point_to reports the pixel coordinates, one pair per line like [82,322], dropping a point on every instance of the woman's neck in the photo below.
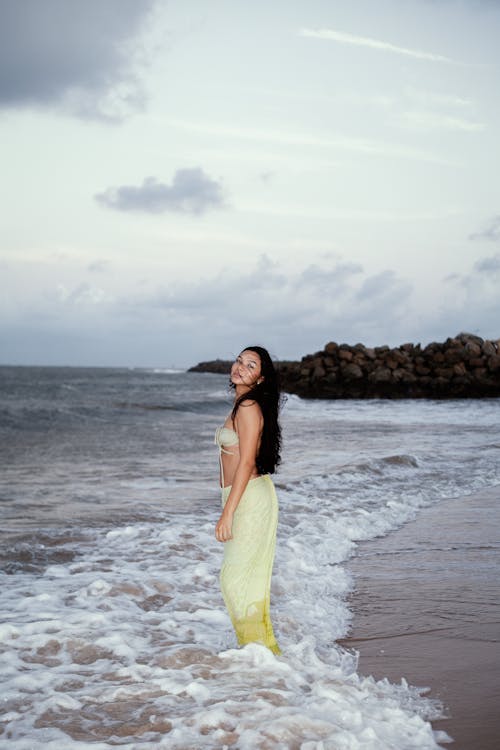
[240,390]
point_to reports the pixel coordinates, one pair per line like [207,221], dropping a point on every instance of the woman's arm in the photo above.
[248,423]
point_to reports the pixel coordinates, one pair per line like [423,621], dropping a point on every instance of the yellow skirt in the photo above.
[245,576]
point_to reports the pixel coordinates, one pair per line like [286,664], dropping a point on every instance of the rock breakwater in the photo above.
[465,366]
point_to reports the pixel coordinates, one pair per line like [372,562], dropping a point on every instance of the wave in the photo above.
[380,465]
[146,406]
[166,370]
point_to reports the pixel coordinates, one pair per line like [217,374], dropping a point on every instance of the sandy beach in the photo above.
[426,609]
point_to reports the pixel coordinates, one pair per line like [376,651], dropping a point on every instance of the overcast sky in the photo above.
[181,179]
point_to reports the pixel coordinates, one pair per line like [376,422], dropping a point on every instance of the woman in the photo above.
[249,444]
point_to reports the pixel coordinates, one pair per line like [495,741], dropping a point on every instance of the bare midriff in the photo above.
[230,459]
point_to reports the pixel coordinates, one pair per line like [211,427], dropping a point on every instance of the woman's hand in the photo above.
[224,528]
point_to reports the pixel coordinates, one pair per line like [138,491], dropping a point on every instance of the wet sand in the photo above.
[426,608]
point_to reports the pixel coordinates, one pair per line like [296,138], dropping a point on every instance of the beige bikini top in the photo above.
[225,436]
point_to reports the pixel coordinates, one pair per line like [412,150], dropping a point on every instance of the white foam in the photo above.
[150,626]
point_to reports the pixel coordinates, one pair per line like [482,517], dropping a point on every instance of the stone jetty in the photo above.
[465,366]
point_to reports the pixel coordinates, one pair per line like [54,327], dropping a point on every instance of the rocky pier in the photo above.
[465,366]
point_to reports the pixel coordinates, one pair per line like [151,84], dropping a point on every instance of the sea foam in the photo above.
[136,628]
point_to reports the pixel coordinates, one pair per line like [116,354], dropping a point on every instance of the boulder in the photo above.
[459,369]
[488,348]
[472,349]
[380,375]
[352,372]
[331,347]
[444,372]
[318,372]
[421,370]
[455,354]
[464,337]
[494,362]
[476,362]
[391,363]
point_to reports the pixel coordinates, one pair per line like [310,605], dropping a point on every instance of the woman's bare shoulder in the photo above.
[248,411]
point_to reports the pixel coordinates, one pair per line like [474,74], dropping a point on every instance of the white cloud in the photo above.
[438,121]
[361,41]
[332,141]
[437,98]
[81,295]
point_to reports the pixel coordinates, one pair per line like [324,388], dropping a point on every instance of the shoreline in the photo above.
[425,608]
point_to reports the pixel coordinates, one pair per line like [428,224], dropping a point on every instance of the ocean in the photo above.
[113,632]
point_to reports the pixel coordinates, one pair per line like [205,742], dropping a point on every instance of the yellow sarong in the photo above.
[245,576]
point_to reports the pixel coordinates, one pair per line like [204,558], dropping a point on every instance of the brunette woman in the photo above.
[249,445]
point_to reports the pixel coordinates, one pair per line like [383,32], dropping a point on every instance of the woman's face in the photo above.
[247,369]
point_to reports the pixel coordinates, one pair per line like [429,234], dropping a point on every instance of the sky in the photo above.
[181,179]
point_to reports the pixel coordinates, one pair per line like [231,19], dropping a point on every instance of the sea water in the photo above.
[112,626]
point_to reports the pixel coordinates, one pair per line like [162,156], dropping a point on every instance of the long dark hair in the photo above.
[267,395]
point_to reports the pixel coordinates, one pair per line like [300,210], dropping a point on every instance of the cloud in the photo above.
[361,41]
[492,232]
[98,266]
[192,191]
[288,138]
[226,290]
[488,265]
[291,309]
[81,295]
[432,98]
[437,121]
[266,177]
[472,303]
[81,56]
[328,280]
[376,285]
[422,115]
[481,279]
